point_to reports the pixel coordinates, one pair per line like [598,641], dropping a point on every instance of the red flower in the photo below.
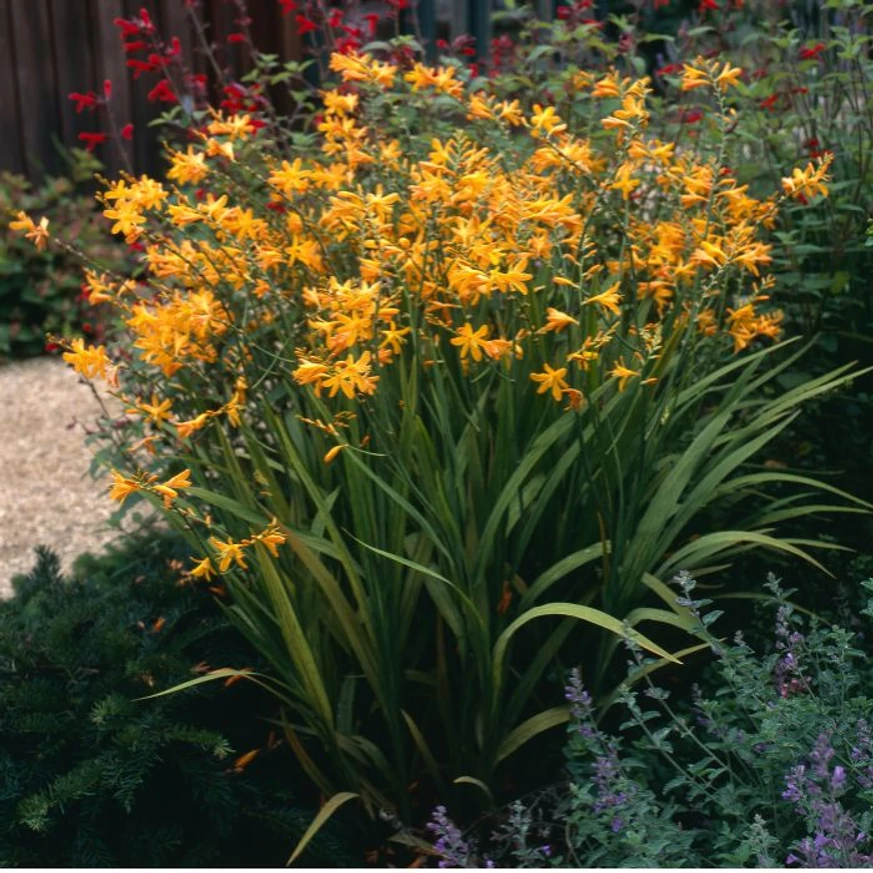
[692,117]
[670,70]
[128,28]
[146,21]
[236,37]
[335,19]
[813,53]
[287,6]
[84,101]
[372,20]
[769,102]
[277,207]
[706,5]
[127,132]
[140,67]
[398,5]
[564,12]
[163,91]
[304,24]
[346,44]
[175,48]
[107,89]
[92,140]
[135,46]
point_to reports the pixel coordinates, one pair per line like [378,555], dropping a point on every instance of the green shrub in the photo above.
[91,776]
[771,766]
[40,290]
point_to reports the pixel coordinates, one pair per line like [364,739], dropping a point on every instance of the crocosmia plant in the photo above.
[445,398]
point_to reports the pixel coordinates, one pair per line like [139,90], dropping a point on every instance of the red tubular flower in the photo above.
[175,48]
[808,54]
[769,102]
[236,37]
[146,21]
[163,92]
[372,20]
[692,117]
[92,140]
[128,28]
[304,24]
[140,67]
[288,6]
[127,132]
[335,19]
[107,89]
[84,101]
[135,46]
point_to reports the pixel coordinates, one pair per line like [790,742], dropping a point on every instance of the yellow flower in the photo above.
[122,487]
[169,489]
[546,121]
[556,320]
[89,362]
[37,233]
[187,167]
[608,299]
[229,553]
[728,77]
[471,342]
[694,78]
[623,374]
[203,570]
[551,380]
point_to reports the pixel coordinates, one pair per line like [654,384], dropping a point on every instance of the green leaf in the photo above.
[319,821]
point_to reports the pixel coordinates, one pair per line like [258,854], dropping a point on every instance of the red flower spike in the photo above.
[127,132]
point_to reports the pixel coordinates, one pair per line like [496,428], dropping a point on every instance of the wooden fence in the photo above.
[51,48]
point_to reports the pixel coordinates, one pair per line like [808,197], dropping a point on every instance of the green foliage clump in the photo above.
[40,291]
[91,776]
[769,763]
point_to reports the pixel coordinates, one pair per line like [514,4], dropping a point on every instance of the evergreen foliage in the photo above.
[92,777]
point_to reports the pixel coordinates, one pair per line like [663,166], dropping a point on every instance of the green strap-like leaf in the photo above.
[530,728]
[319,821]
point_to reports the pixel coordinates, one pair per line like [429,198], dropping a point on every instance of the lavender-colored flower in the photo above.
[450,844]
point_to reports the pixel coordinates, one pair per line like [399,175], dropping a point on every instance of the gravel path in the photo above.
[46,493]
